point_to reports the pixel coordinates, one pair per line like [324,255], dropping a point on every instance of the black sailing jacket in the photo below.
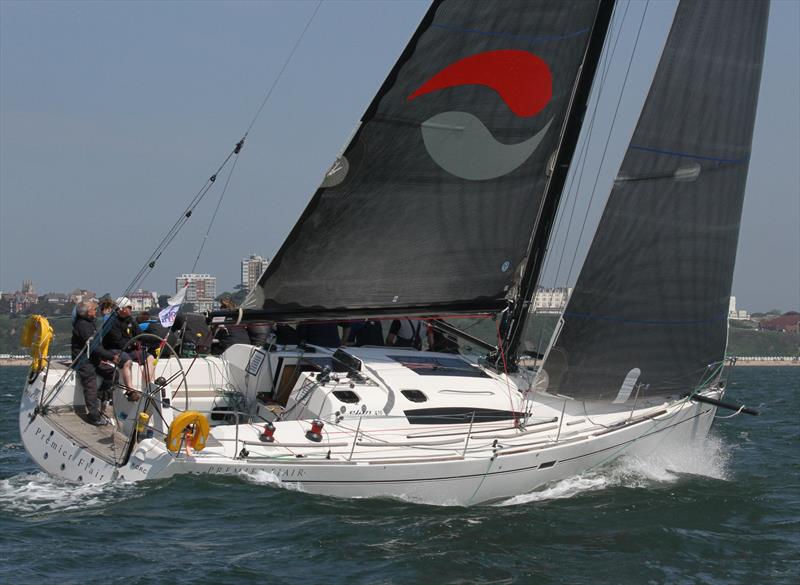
[120,333]
[83,329]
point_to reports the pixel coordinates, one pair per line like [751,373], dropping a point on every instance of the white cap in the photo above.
[123,302]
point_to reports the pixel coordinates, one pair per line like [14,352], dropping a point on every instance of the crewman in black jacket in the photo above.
[82,331]
[123,329]
[119,337]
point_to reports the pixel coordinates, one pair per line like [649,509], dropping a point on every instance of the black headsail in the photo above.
[649,310]
[431,207]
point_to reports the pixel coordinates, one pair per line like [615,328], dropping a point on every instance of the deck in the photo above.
[105,442]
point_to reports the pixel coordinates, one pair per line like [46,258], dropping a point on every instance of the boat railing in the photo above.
[464,438]
[360,438]
[460,441]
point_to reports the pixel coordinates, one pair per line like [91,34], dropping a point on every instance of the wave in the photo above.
[708,458]
[32,494]
[260,477]
[565,488]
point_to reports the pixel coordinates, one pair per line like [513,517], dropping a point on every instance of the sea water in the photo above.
[725,511]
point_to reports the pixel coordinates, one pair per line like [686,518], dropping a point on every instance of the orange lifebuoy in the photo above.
[179,430]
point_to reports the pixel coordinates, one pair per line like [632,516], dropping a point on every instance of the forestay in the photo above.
[431,206]
[648,315]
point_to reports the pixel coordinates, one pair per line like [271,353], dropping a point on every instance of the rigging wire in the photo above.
[581,161]
[250,127]
[285,64]
[505,371]
[583,156]
[216,210]
[149,265]
[585,147]
[608,140]
[173,231]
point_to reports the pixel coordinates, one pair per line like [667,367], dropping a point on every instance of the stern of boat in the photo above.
[48,439]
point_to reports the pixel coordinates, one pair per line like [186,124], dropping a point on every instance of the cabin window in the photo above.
[346,396]
[459,415]
[414,395]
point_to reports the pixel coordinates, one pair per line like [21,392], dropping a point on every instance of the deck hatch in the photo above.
[458,415]
[439,366]
[346,396]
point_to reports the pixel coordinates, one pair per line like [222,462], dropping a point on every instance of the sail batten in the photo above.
[653,294]
[433,201]
[690,155]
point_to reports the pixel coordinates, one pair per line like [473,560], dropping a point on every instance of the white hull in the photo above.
[459,464]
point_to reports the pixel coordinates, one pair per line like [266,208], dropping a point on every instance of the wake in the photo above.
[31,494]
[260,477]
[708,458]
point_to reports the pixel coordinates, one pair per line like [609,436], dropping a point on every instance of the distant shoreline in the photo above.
[15,362]
[769,363]
[777,362]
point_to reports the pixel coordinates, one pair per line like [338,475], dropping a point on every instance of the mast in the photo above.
[555,187]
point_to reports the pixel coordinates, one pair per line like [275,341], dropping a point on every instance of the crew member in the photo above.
[119,338]
[406,333]
[83,330]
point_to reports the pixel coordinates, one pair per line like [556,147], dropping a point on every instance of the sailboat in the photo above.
[442,206]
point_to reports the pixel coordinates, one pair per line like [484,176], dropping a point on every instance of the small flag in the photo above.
[167,315]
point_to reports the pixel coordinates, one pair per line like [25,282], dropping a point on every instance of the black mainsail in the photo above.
[649,311]
[431,207]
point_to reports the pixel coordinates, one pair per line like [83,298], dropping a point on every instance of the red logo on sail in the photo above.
[521,79]
[458,141]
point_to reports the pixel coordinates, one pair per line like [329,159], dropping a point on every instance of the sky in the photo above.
[114,114]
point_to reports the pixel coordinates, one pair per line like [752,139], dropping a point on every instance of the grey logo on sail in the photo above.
[458,141]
